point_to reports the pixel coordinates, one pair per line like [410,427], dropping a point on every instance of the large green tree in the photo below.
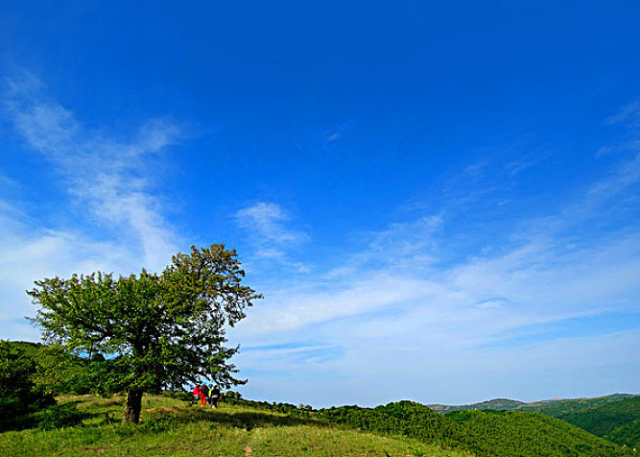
[150,331]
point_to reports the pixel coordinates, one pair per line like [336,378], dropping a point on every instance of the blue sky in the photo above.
[439,200]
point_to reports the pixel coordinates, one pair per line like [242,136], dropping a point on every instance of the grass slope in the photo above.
[171,428]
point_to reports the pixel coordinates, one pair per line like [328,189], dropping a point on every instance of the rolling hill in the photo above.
[613,417]
[617,421]
[483,433]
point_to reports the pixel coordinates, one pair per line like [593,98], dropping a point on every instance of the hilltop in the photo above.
[497,404]
[555,407]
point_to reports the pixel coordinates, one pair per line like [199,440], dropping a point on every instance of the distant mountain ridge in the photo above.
[496,403]
[554,407]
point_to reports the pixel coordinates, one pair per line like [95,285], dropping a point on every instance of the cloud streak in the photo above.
[117,222]
[268,225]
[268,219]
[110,177]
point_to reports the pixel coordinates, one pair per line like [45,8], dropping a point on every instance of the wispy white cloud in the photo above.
[624,175]
[268,220]
[29,253]
[629,114]
[115,221]
[534,276]
[295,310]
[110,177]
[405,245]
[268,225]
[629,118]
[478,301]
[527,161]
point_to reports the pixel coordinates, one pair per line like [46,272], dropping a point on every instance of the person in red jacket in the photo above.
[204,394]
[197,395]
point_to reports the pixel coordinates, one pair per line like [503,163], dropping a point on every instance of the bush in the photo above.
[18,392]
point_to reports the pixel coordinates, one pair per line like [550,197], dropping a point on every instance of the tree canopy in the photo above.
[149,332]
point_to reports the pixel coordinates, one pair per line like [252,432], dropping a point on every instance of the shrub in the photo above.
[18,392]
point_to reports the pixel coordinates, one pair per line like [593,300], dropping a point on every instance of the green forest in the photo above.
[618,421]
[613,417]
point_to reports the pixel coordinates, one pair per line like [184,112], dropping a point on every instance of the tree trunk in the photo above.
[132,407]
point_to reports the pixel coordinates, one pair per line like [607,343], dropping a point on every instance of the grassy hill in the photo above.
[170,427]
[88,425]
